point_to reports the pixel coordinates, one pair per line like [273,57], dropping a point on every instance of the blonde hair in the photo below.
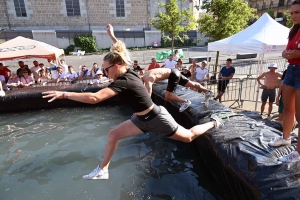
[119,54]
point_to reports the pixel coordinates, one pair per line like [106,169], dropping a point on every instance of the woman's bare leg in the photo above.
[188,135]
[297,105]
[125,129]
[288,95]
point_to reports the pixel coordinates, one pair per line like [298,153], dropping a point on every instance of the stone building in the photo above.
[279,6]
[81,14]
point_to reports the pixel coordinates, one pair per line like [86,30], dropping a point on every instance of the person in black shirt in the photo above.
[23,68]
[136,66]
[147,116]
[186,72]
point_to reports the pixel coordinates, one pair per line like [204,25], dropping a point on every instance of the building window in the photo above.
[20,8]
[120,8]
[73,8]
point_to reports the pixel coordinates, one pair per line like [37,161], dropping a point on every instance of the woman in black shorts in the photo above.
[148,116]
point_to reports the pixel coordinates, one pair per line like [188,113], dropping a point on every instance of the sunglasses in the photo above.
[105,70]
[135,64]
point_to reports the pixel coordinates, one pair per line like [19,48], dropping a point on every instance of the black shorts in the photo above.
[222,85]
[268,94]
[176,78]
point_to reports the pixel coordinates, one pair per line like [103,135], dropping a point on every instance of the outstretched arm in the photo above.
[91,98]
[110,32]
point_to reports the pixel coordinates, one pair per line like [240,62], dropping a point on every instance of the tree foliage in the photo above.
[289,22]
[172,20]
[271,12]
[224,18]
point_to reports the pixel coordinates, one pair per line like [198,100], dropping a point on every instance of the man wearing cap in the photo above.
[202,73]
[99,78]
[269,88]
[153,64]
[185,72]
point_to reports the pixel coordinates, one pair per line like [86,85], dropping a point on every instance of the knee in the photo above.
[112,135]
[168,95]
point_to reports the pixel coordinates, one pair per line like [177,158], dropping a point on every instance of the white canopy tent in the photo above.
[265,36]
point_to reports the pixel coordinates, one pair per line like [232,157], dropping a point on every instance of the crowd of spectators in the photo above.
[39,74]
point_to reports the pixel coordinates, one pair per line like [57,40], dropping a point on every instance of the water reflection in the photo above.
[45,153]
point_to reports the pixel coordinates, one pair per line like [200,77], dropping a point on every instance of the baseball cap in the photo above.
[204,61]
[99,72]
[184,67]
[274,65]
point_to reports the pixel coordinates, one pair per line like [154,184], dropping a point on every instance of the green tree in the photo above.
[289,22]
[224,18]
[271,12]
[172,20]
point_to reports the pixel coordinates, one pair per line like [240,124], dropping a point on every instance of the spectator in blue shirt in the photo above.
[225,75]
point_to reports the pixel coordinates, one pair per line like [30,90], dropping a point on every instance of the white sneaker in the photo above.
[269,118]
[184,105]
[280,141]
[292,157]
[97,173]
[218,120]
[2,93]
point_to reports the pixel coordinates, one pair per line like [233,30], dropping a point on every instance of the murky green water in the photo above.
[45,153]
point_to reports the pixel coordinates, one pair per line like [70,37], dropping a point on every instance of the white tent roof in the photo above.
[264,36]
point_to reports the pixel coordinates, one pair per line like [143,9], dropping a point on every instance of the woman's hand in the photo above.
[277,101]
[53,95]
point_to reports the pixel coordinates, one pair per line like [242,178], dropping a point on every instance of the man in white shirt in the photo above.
[35,69]
[170,63]
[72,75]
[202,73]
[60,76]
[64,66]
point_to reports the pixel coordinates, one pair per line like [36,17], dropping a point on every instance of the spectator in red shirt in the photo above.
[4,71]
[153,64]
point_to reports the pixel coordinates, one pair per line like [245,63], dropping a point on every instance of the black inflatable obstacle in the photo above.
[237,156]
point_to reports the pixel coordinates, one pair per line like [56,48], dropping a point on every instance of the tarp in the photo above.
[21,48]
[264,36]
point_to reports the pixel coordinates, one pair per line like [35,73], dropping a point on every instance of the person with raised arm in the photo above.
[147,115]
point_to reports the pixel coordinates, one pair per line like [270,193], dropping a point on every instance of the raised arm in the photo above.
[110,32]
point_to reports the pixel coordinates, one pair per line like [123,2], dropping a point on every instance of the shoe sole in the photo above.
[184,109]
[278,145]
[106,176]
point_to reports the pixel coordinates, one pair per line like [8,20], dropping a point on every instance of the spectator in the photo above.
[176,55]
[94,70]
[170,63]
[99,78]
[179,65]
[192,69]
[59,76]
[52,67]
[202,73]
[136,66]
[291,87]
[269,88]
[72,75]
[34,70]
[225,75]
[23,68]
[185,72]
[4,71]
[47,70]
[84,73]
[26,80]
[63,65]
[44,78]
[153,64]
[14,81]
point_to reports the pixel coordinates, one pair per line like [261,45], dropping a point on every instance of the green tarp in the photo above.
[163,55]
